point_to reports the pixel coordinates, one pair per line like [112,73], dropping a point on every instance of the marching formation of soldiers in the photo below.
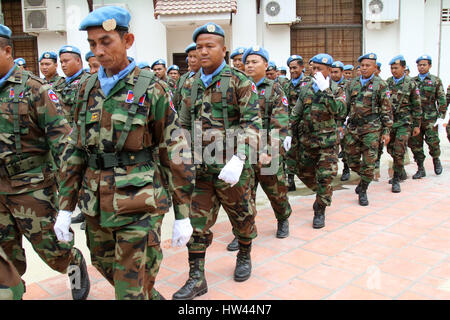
[125,141]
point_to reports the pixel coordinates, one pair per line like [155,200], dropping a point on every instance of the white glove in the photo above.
[442,123]
[287,143]
[321,82]
[231,172]
[62,226]
[439,121]
[181,233]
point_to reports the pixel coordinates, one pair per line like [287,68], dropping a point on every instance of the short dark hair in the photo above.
[4,42]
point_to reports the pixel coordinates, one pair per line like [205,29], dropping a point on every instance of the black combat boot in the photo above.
[243,268]
[196,284]
[437,166]
[402,176]
[319,215]
[78,219]
[358,188]
[291,182]
[345,173]
[78,276]
[363,201]
[420,171]
[283,229]
[396,183]
[233,245]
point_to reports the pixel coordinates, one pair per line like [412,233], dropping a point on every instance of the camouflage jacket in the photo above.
[293,91]
[343,84]
[179,85]
[43,129]
[448,95]
[68,94]
[124,192]
[242,111]
[314,119]
[56,81]
[274,113]
[434,104]
[405,99]
[369,107]
[284,83]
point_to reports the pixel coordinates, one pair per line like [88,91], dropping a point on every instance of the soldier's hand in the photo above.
[385,139]
[264,159]
[181,233]
[231,172]
[321,82]
[62,226]
[416,131]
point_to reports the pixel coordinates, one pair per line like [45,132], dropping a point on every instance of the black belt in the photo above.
[124,158]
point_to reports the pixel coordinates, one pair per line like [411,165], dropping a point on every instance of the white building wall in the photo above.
[244,25]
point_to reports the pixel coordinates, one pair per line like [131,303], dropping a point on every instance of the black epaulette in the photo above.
[35,77]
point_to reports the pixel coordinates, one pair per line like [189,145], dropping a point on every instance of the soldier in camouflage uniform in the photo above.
[275,115]
[434,108]
[216,99]
[174,73]
[108,163]
[340,82]
[32,126]
[160,70]
[48,64]
[72,65]
[92,61]
[369,116]
[283,80]
[11,285]
[405,99]
[194,66]
[298,80]
[313,125]
[236,57]
[348,71]
[271,72]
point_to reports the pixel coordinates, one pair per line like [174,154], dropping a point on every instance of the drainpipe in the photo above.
[440,40]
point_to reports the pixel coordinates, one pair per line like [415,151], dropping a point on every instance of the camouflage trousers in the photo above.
[11,285]
[397,146]
[316,168]
[362,145]
[276,188]
[430,134]
[209,194]
[129,256]
[33,215]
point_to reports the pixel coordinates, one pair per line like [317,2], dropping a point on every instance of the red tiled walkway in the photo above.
[396,248]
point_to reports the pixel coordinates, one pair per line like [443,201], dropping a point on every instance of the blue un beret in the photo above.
[379,65]
[69,49]
[371,56]
[88,55]
[294,57]
[424,57]
[348,67]
[282,68]
[260,51]
[49,55]
[237,51]
[173,67]
[192,46]
[20,62]
[159,61]
[143,64]
[338,64]
[210,28]
[397,59]
[108,17]
[323,58]
[5,32]
[272,66]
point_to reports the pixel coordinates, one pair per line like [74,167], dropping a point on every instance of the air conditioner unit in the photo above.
[43,15]
[279,11]
[382,10]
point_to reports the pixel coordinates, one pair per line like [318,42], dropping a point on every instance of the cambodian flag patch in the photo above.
[388,93]
[218,85]
[21,95]
[303,84]
[254,88]
[142,100]
[171,105]
[263,92]
[11,93]
[52,95]
[370,86]
[285,102]
[130,97]
[76,82]
[418,92]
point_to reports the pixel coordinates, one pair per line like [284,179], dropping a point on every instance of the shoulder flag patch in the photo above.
[11,93]
[52,95]
[388,93]
[285,102]
[172,106]
[142,100]
[263,92]
[418,91]
[130,97]
[254,88]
